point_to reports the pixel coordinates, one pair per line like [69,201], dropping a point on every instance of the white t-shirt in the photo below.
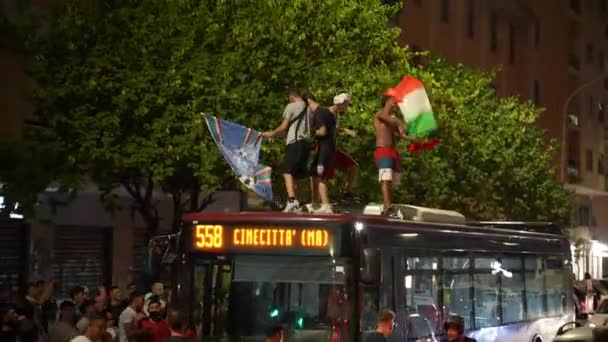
[127,316]
[81,338]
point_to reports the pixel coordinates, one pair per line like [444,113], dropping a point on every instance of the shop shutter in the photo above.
[82,257]
[13,252]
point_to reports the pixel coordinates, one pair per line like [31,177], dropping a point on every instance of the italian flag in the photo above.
[417,112]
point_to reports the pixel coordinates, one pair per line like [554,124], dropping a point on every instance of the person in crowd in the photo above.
[275,334]
[116,305]
[88,309]
[324,131]
[158,290]
[384,328]
[177,324]
[155,322]
[388,129]
[454,330]
[38,293]
[297,124]
[130,317]
[8,323]
[65,328]
[95,331]
[78,297]
[142,336]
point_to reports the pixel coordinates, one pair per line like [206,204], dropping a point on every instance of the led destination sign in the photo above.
[218,237]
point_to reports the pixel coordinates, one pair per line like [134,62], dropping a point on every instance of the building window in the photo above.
[493,32]
[471,18]
[589,53]
[536,93]
[445,11]
[589,160]
[602,61]
[536,34]
[575,6]
[511,44]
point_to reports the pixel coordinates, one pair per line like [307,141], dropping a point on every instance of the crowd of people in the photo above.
[102,316]
[312,151]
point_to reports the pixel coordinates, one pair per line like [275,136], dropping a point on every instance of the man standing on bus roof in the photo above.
[388,130]
[454,330]
[296,123]
[325,133]
[384,329]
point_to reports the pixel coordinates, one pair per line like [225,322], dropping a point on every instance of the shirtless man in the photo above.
[388,130]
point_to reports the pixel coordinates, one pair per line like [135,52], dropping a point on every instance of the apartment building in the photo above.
[551,52]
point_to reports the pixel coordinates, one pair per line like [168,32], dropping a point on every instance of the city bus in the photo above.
[325,277]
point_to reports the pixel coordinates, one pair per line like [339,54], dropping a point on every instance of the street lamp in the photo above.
[564,166]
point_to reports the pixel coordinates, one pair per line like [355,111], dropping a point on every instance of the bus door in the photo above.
[212,280]
[422,296]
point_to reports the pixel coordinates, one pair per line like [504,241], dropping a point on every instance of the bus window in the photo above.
[369,307]
[555,282]
[457,288]
[534,287]
[512,290]
[307,295]
[422,289]
[486,293]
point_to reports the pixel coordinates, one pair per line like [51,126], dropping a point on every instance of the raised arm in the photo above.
[385,115]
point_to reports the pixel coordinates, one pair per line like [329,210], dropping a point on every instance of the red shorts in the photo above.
[344,162]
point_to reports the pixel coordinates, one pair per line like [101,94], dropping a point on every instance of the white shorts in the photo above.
[389,175]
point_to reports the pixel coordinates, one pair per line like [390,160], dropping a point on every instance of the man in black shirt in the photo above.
[454,330]
[386,323]
[325,133]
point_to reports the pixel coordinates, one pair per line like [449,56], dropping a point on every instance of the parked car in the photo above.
[572,332]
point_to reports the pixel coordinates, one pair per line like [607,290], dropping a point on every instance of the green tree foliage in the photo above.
[119,85]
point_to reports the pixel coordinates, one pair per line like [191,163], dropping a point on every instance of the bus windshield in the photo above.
[245,295]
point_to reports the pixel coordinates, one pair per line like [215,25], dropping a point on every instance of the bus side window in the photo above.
[369,307]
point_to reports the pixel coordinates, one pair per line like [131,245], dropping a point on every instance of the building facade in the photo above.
[553,53]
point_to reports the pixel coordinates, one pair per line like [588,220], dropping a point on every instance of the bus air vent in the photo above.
[416,213]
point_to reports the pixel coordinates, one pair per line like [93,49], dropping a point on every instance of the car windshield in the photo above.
[308,296]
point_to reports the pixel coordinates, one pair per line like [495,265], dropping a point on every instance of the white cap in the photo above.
[341,98]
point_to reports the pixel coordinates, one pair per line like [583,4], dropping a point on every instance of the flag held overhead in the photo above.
[415,107]
[240,147]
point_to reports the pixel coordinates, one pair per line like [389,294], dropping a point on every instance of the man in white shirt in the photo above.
[96,330]
[127,322]
[158,289]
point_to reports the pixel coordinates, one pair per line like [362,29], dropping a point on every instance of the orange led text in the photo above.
[271,237]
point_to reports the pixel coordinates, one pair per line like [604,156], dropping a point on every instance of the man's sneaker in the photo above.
[292,207]
[392,212]
[310,207]
[324,209]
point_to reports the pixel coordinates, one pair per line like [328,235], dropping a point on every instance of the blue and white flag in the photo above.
[240,146]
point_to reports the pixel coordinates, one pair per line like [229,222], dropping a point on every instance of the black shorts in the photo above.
[296,159]
[324,162]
